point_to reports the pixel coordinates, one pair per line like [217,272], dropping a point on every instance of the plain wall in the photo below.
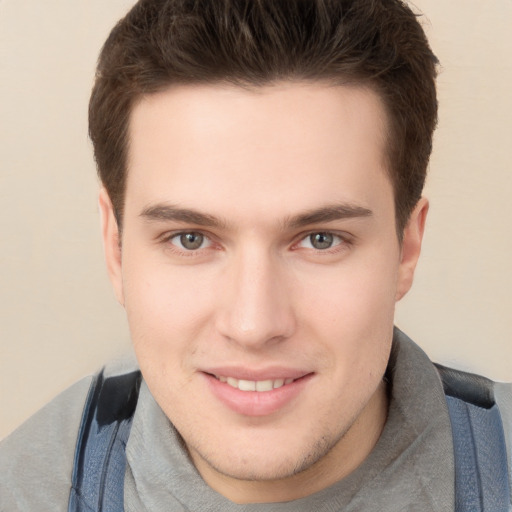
[58,316]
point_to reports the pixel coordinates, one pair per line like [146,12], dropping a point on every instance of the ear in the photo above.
[411,247]
[111,244]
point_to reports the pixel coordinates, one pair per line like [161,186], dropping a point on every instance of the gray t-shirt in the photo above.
[411,467]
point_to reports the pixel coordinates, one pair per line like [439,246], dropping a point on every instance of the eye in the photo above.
[321,241]
[191,241]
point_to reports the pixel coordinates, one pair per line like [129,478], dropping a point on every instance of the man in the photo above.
[262,166]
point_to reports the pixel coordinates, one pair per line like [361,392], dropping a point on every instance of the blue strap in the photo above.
[100,460]
[481,468]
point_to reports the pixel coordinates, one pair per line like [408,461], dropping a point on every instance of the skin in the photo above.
[265,168]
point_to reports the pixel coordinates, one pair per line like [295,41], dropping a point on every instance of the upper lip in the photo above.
[253,374]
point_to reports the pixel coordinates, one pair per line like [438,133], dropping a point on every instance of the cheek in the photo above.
[352,311]
[166,307]
[358,295]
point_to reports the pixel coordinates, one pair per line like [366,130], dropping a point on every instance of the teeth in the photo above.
[264,385]
[246,385]
[251,385]
[278,383]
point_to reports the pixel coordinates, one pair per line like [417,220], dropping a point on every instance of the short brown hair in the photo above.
[376,43]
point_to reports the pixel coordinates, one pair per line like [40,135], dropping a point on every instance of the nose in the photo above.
[255,303]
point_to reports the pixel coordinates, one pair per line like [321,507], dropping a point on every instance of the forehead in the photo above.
[270,148]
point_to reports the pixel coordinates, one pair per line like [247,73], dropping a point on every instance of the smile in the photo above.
[254,385]
[261,397]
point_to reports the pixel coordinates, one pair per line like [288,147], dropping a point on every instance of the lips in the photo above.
[256,393]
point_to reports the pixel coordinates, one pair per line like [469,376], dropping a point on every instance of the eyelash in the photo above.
[340,241]
[167,240]
[344,241]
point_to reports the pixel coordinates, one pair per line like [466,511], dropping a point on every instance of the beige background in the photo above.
[58,318]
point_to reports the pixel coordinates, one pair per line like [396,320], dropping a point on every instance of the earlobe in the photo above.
[411,247]
[111,243]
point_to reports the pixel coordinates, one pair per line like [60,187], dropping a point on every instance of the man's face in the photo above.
[259,248]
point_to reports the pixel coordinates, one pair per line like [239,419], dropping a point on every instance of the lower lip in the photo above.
[256,403]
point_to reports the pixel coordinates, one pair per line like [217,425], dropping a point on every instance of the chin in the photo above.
[264,461]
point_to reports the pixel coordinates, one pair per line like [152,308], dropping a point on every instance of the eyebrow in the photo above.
[329,213]
[164,212]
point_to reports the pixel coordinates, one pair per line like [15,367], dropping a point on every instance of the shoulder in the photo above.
[481,410]
[480,392]
[36,459]
[503,396]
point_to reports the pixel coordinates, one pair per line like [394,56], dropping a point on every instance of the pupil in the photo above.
[321,240]
[191,240]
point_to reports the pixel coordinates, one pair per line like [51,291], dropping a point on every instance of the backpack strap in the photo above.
[100,459]
[481,466]
[503,395]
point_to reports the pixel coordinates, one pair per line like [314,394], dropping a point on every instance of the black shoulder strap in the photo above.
[100,460]
[481,466]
